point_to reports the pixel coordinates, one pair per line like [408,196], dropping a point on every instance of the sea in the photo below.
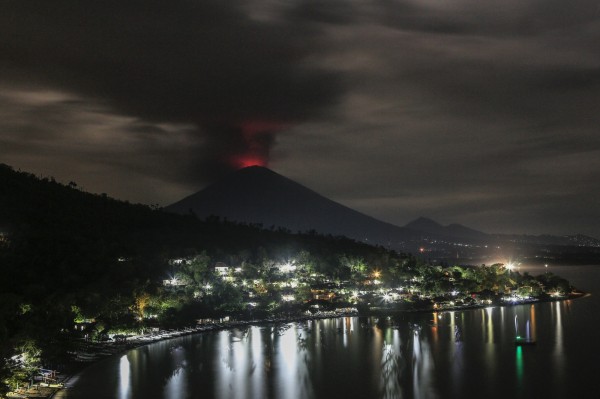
[451,354]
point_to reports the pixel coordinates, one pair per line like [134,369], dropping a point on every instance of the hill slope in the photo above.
[455,231]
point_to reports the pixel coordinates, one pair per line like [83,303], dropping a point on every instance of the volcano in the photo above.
[258,195]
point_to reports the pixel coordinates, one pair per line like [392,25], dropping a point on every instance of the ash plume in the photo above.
[205,63]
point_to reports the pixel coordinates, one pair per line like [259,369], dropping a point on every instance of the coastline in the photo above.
[77,367]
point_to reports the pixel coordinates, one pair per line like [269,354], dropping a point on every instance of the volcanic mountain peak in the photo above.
[258,195]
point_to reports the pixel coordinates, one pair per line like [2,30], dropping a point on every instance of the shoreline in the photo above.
[78,367]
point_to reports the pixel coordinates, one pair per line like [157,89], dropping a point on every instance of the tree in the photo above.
[197,270]
[356,266]
[142,300]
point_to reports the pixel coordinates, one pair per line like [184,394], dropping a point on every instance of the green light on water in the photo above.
[519,360]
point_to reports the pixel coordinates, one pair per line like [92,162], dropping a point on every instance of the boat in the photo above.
[522,341]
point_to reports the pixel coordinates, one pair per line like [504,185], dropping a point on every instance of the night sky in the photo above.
[481,112]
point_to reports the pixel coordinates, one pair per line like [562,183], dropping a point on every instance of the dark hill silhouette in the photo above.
[454,231]
[259,195]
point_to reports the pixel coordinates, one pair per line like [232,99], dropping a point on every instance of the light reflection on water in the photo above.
[519,365]
[124,378]
[422,368]
[468,354]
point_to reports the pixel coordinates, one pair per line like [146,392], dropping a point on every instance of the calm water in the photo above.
[467,354]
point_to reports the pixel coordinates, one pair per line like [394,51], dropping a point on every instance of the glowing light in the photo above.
[287,267]
[257,137]
[246,161]
[288,298]
[125,377]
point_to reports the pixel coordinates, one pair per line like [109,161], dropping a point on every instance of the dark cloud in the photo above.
[472,111]
[204,62]
[488,17]
[334,12]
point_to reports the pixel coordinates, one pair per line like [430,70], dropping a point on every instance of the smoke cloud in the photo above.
[239,80]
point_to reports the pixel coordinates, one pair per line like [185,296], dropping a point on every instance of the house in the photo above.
[221,269]
[174,282]
[323,291]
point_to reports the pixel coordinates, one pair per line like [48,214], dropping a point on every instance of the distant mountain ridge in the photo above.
[454,230]
[458,231]
[258,195]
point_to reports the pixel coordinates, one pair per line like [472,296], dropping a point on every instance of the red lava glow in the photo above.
[245,161]
[258,137]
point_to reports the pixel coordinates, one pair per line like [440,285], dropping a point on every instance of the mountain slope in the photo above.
[455,231]
[259,195]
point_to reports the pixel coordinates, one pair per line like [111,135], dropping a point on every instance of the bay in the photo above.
[462,354]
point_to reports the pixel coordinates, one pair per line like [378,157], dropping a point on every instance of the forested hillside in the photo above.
[66,253]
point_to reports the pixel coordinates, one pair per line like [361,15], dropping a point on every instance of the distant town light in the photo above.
[287,267]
